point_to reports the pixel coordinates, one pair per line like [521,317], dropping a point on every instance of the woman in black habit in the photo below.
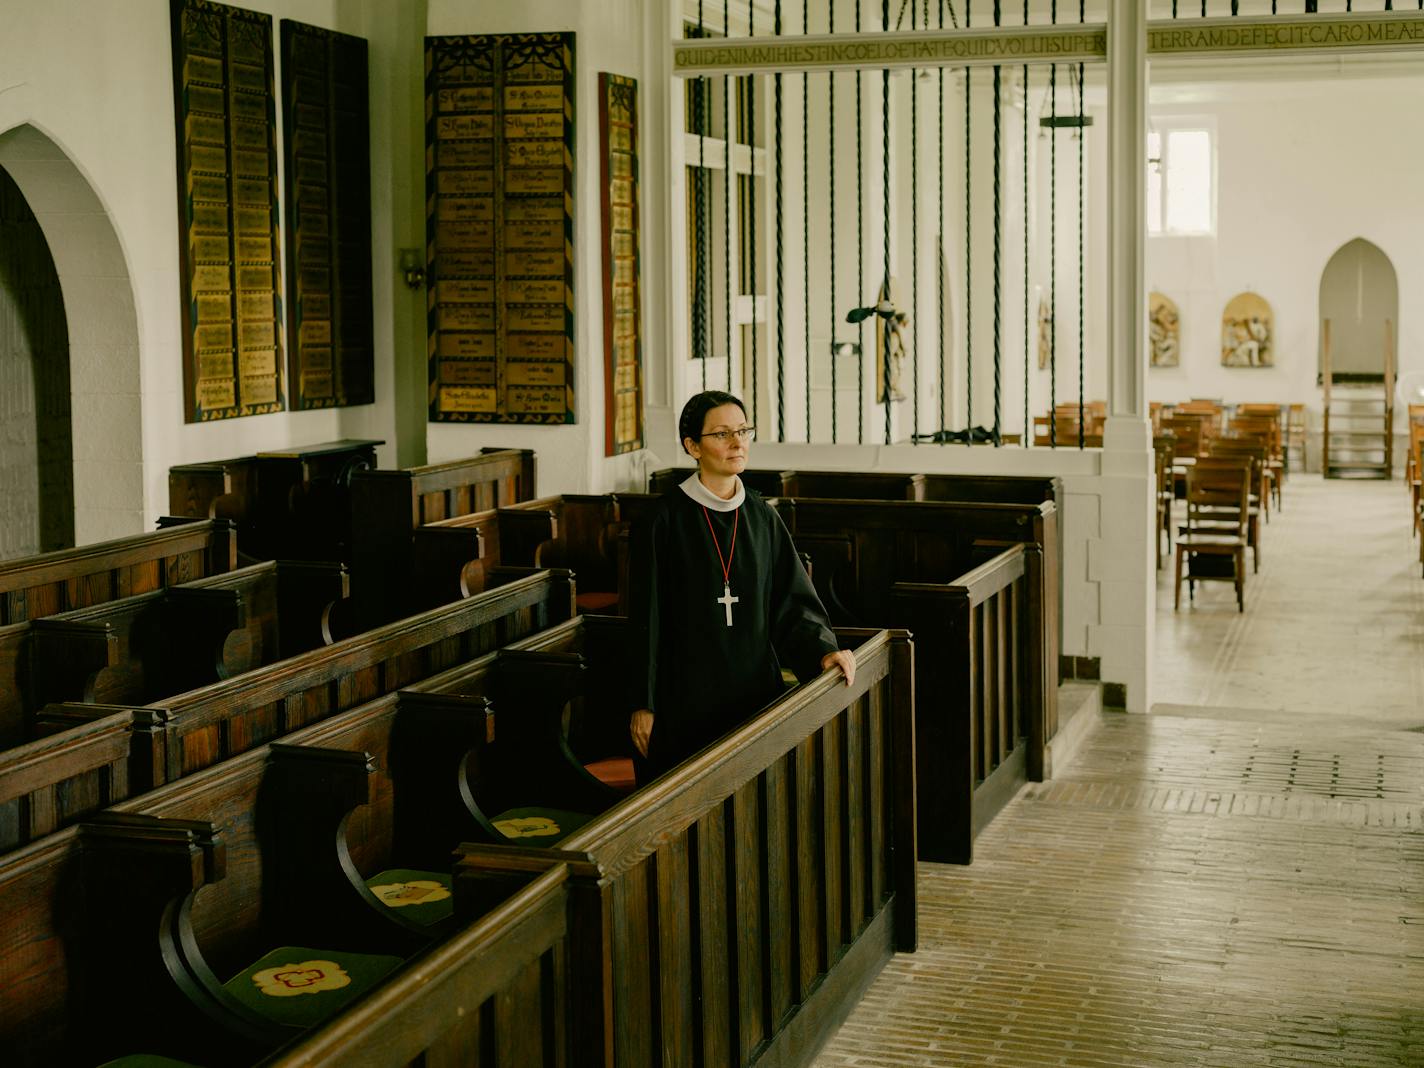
[720,601]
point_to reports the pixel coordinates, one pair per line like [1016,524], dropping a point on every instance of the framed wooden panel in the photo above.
[499,227]
[327,124]
[622,298]
[227,210]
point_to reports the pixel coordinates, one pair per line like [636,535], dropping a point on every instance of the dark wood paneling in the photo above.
[327,138]
[621,247]
[229,232]
[499,229]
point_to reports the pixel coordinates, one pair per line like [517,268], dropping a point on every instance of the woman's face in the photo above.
[714,455]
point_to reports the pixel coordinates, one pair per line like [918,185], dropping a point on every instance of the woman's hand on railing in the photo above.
[843,659]
[640,726]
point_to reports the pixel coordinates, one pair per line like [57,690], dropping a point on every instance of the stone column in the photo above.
[1122,559]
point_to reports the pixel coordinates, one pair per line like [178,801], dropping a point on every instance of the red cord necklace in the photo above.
[726,600]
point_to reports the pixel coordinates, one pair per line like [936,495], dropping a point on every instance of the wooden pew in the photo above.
[495,995]
[186,733]
[289,503]
[293,837]
[140,649]
[878,485]
[869,557]
[387,506]
[35,586]
[585,533]
[982,684]
[739,906]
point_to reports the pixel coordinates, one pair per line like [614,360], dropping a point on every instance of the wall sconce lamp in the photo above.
[412,267]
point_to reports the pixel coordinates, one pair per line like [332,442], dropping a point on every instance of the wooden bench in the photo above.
[290,503]
[186,733]
[297,839]
[737,908]
[586,534]
[871,561]
[496,995]
[35,586]
[139,649]
[387,506]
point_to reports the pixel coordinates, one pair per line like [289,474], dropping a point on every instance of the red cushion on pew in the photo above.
[594,601]
[616,772]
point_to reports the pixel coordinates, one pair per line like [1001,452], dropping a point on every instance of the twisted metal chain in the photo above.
[729,139]
[885,323]
[1027,419]
[1053,248]
[998,297]
[939,250]
[806,218]
[752,201]
[831,157]
[1082,275]
[968,245]
[859,251]
[914,243]
[780,262]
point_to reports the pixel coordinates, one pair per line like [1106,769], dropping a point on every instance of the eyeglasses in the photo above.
[746,433]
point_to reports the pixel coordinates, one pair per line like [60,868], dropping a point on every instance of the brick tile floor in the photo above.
[1236,880]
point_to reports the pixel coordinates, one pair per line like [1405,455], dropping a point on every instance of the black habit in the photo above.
[698,675]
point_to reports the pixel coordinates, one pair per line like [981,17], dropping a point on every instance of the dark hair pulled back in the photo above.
[694,413]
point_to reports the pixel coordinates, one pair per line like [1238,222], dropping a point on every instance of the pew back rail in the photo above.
[742,903]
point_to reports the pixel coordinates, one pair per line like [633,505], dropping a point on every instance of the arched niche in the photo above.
[1359,294]
[36,443]
[103,333]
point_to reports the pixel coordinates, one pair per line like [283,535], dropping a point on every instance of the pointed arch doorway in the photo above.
[100,335]
[1359,325]
[1359,295]
[36,450]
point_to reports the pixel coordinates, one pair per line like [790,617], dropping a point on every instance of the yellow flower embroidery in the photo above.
[527,827]
[308,977]
[415,892]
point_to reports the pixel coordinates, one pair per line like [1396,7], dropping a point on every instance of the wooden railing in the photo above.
[733,910]
[982,723]
[495,995]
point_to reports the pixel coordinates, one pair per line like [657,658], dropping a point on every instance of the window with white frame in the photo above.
[1181,180]
[724,198]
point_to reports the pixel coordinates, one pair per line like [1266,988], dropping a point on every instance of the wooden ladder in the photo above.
[1358,440]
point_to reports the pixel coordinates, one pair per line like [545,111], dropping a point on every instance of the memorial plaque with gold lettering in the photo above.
[227,211]
[499,227]
[622,311]
[326,108]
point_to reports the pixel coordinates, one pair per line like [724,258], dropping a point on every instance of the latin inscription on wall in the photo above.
[326,111]
[622,335]
[227,192]
[499,229]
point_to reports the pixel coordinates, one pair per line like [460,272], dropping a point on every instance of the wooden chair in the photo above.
[1164,447]
[1414,470]
[1210,491]
[1295,434]
[1226,514]
[1265,429]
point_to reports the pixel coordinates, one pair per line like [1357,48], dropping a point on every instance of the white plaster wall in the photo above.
[96,78]
[1303,168]
[611,37]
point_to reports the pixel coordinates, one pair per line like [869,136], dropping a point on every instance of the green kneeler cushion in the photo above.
[538,826]
[422,896]
[147,1060]
[299,986]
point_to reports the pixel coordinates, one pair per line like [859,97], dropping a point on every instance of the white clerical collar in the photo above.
[694,488]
